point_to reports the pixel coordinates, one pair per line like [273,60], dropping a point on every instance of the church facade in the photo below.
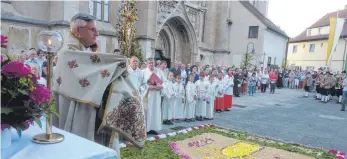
[208,32]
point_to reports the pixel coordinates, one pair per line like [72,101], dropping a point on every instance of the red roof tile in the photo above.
[324,21]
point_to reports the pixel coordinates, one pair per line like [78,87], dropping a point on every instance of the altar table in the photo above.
[73,147]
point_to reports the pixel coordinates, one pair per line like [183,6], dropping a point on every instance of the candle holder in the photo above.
[50,42]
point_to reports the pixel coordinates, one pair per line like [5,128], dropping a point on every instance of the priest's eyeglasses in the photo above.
[94,30]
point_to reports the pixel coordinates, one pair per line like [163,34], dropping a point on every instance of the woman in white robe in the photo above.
[211,94]
[190,99]
[168,101]
[179,99]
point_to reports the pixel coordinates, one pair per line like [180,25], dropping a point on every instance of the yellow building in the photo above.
[309,49]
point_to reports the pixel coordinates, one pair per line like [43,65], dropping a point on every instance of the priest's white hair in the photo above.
[80,20]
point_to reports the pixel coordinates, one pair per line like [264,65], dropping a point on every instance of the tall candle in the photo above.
[49,46]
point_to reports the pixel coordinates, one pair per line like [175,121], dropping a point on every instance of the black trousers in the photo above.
[272,87]
[325,92]
[236,90]
[263,87]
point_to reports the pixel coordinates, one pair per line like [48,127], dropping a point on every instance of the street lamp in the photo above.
[50,42]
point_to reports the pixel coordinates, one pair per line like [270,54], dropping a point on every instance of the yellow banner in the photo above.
[336,25]
[331,38]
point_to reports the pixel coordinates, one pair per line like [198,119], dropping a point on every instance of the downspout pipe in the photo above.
[286,54]
[344,65]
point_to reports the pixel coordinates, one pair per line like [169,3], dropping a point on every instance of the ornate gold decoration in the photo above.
[127,29]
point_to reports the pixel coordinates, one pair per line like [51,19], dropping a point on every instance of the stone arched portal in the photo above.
[175,40]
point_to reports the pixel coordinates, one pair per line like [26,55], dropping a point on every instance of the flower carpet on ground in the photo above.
[210,142]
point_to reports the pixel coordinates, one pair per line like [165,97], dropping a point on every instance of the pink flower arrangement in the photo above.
[333,151]
[23,99]
[40,94]
[201,142]
[16,69]
[3,41]
[177,150]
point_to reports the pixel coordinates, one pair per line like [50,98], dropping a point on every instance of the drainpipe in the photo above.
[286,54]
[344,66]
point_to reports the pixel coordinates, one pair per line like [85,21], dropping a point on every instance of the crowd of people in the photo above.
[37,61]
[168,95]
[195,92]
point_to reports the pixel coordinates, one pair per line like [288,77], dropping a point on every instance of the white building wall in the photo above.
[242,19]
[274,47]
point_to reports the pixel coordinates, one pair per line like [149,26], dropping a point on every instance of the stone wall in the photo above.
[20,36]
[22,21]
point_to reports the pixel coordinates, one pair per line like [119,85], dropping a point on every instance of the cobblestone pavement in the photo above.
[287,116]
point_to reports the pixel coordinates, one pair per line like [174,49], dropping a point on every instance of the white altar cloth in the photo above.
[73,147]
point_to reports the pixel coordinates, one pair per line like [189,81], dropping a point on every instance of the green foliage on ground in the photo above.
[160,148]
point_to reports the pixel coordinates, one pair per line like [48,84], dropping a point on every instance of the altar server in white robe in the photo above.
[168,101]
[206,73]
[136,76]
[179,99]
[152,99]
[211,94]
[190,99]
[228,82]
[201,86]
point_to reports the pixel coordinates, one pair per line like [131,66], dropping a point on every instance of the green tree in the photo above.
[247,60]
[136,50]
[284,66]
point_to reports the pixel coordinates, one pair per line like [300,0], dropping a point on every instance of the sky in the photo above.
[294,16]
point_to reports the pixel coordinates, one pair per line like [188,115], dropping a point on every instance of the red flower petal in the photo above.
[340,157]
[333,151]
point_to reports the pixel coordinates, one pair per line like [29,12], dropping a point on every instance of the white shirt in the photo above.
[264,78]
[184,76]
[42,81]
[228,84]
[220,89]
[136,77]
[202,88]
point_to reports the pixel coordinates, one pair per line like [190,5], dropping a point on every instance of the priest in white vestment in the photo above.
[93,85]
[136,76]
[152,99]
